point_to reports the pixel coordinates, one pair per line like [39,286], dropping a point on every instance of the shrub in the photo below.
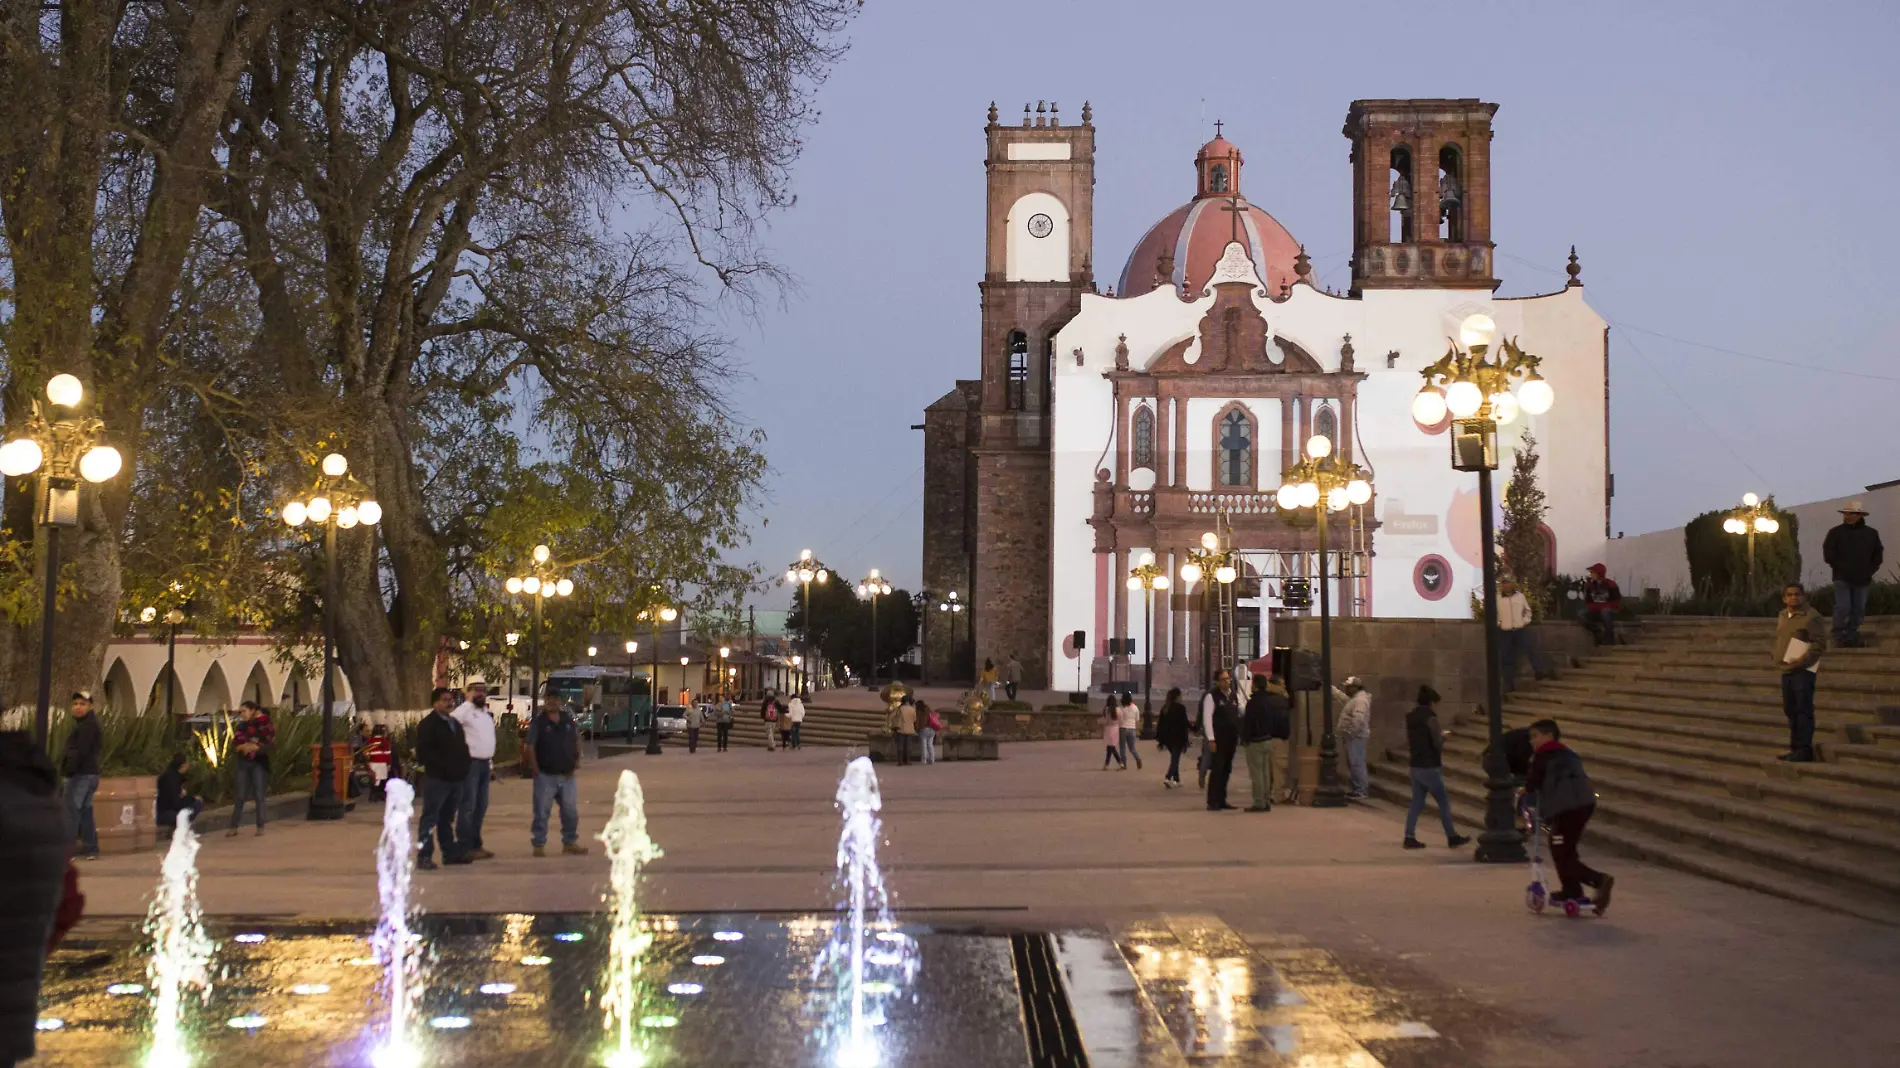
[1718,560]
[1011,706]
[1065,707]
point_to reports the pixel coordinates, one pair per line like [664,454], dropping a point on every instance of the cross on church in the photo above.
[1234,205]
[1217,129]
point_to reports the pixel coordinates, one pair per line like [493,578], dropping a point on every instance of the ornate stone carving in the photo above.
[1234,266]
[1078,357]
[1121,353]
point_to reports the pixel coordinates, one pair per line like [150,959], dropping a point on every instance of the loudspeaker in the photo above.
[1081,640]
[1118,687]
[1299,668]
[1296,593]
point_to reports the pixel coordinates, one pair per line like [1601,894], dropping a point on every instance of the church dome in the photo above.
[1186,244]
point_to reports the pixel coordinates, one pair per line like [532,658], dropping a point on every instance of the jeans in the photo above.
[928,737]
[1356,765]
[79,791]
[1429,781]
[692,739]
[1797,703]
[1010,689]
[1174,767]
[474,806]
[797,742]
[1602,623]
[441,801]
[902,742]
[1566,830]
[1260,771]
[1220,767]
[252,778]
[1130,739]
[1850,607]
[1511,643]
[724,733]
[547,790]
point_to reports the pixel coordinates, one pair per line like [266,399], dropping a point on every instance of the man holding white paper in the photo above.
[1800,639]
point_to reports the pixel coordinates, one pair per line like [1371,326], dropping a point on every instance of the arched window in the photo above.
[1217,178]
[1144,437]
[1401,190]
[1326,425]
[1233,449]
[1016,386]
[1451,194]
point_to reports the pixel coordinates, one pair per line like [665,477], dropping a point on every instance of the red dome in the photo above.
[1193,236]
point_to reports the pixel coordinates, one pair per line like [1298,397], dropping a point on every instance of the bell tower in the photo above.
[1421,194]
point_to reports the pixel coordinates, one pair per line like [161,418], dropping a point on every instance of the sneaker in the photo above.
[574,849]
[1413,843]
[89,856]
[1457,840]
[1603,894]
[479,854]
[540,851]
[425,864]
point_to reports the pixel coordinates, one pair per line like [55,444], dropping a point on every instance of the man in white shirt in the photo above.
[1515,635]
[478,729]
[1128,722]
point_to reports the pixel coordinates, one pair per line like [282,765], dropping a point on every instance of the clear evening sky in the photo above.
[1729,173]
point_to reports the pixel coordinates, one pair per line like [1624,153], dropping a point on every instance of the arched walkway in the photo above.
[257,686]
[155,701]
[120,693]
[214,693]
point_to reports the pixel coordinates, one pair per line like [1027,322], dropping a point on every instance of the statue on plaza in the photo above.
[974,704]
[893,694]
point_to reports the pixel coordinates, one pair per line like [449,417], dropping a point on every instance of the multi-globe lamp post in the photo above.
[1325,483]
[513,638]
[338,501]
[806,570]
[1482,385]
[952,609]
[661,615]
[1147,577]
[873,587]
[65,450]
[1752,518]
[1219,565]
[539,583]
[173,617]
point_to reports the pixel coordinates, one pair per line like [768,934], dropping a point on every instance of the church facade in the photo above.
[1107,425]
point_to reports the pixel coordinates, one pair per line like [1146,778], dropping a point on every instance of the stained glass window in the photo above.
[1236,449]
[1144,437]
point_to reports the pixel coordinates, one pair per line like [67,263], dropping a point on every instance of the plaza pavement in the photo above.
[1683,973]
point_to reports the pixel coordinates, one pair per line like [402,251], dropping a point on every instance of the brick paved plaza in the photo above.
[1683,972]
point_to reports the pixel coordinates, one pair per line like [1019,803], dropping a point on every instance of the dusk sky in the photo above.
[1728,172]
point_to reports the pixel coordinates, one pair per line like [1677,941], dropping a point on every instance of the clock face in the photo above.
[1041,225]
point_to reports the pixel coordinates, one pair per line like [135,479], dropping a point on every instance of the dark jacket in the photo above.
[83,742]
[1518,751]
[1423,738]
[1853,550]
[557,746]
[1171,729]
[1269,715]
[257,730]
[441,748]
[34,841]
[172,799]
[1557,781]
[1226,724]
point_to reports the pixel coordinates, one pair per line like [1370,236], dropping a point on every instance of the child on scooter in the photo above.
[1564,801]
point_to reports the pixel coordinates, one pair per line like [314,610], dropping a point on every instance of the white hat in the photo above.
[477,681]
[1853,507]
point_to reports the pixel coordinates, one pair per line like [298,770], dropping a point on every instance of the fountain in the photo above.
[629,848]
[864,977]
[181,951]
[398,949]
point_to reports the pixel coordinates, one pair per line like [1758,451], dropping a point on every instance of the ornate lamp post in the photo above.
[1474,385]
[663,614]
[173,617]
[806,570]
[632,648]
[874,587]
[1220,564]
[725,651]
[954,607]
[539,583]
[1147,577]
[65,451]
[1325,483]
[1753,517]
[512,638]
[337,501]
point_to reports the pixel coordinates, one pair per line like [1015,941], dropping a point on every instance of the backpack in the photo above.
[771,712]
[933,722]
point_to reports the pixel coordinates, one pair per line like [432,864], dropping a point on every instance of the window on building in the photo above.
[1217,178]
[1451,194]
[1017,385]
[1234,458]
[1326,425]
[1144,437]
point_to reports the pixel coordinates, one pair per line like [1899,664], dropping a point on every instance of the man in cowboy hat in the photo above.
[1853,550]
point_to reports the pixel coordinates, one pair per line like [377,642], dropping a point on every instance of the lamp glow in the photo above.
[1476,330]
[1147,559]
[512,636]
[1503,407]
[1750,500]
[1161,582]
[593,650]
[1428,408]
[541,554]
[632,648]
[1288,498]
[823,575]
[669,613]
[21,456]
[318,509]
[1358,491]
[513,585]
[1319,446]
[1225,574]
[1134,583]
[1210,541]
[370,513]
[335,465]
[1464,399]
[1732,525]
[346,516]
[564,588]
[1190,573]
[1535,395]
[295,513]
[531,585]
[1336,499]
[65,391]
[1309,494]
[1767,524]
[146,615]
[100,463]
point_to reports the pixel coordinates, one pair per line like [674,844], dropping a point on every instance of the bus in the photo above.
[603,697]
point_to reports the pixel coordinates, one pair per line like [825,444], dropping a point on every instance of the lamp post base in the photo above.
[653,740]
[325,808]
[1330,793]
[1499,843]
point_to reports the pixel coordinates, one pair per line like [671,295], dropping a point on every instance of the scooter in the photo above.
[1535,895]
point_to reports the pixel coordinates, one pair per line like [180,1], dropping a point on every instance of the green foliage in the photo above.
[1006,705]
[1883,599]
[841,624]
[1718,560]
[1065,707]
[1521,539]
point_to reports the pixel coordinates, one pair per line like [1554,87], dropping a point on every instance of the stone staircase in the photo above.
[1680,730]
[823,726]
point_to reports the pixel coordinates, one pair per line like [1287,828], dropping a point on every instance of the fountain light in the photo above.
[122,989]
[892,936]
[569,936]
[362,962]
[48,1023]
[659,1021]
[310,989]
[879,986]
[498,988]
[727,936]
[860,1053]
[248,1022]
[708,960]
[625,1058]
[536,962]
[449,1023]
[395,1055]
[249,938]
[684,989]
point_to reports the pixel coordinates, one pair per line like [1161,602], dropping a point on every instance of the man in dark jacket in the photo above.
[79,763]
[1565,802]
[1225,719]
[34,840]
[553,750]
[1268,717]
[444,755]
[1427,744]
[1854,551]
[1171,734]
[173,798]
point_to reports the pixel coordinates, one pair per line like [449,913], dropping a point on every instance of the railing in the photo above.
[1141,502]
[1233,503]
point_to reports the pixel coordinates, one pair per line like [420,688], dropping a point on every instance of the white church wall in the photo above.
[1028,257]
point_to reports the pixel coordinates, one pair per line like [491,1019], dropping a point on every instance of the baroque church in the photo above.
[1109,423]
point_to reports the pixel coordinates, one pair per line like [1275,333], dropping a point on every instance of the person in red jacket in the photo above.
[1565,800]
[1601,600]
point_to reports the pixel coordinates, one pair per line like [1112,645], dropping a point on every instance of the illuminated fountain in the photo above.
[869,960]
[181,951]
[629,848]
[398,948]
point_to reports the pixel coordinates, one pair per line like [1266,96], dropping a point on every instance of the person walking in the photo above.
[1854,551]
[1112,735]
[1012,675]
[722,723]
[794,720]
[35,838]
[552,747]
[1602,598]
[903,728]
[443,751]
[695,719]
[79,765]
[478,729]
[173,798]
[251,740]
[1223,728]
[1129,717]
[1565,801]
[989,679]
[1269,716]
[1515,636]
[928,724]
[1800,639]
[1171,735]
[769,713]
[1355,731]
[1427,744]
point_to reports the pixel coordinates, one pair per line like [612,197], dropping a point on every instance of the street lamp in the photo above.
[1755,516]
[724,652]
[955,609]
[806,570]
[1474,386]
[64,451]
[662,614]
[1216,563]
[512,638]
[874,587]
[1148,577]
[1324,483]
[337,500]
[172,617]
[539,583]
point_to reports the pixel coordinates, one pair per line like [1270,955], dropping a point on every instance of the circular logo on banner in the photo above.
[1432,577]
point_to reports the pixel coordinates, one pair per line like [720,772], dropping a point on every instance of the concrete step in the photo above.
[1754,686]
[1661,704]
[1748,733]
